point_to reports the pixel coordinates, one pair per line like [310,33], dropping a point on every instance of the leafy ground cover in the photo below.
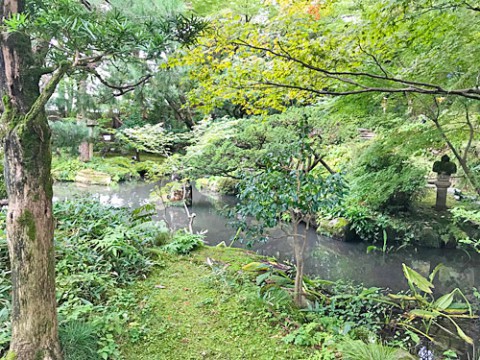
[100,250]
[127,288]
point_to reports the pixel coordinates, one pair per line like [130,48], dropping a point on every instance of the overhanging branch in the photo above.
[364,89]
[355,79]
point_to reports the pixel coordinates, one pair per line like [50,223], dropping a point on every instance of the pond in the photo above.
[327,258]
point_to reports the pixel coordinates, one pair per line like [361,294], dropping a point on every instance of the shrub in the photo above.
[78,340]
[385,180]
[358,350]
[184,242]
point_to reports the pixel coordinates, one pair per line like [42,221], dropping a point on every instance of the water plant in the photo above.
[423,310]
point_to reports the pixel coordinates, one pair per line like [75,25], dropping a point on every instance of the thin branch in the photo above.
[471,7]
[337,73]
[374,59]
[120,89]
[410,89]
[470,135]
[412,86]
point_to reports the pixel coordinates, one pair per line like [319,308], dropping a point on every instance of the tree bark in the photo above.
[29,187]
[299,244]
[30,242]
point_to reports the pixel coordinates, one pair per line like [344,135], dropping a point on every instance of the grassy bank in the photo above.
[198,312]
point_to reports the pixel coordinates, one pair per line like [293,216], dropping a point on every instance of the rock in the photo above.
[429,238]
[92,177]
[338,228]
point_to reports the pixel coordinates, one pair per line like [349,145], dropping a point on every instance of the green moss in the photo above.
[197,314]
[333,227]
[28,221]
[10,356]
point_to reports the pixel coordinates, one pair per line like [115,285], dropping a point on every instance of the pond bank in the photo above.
[216,303]
[327,258]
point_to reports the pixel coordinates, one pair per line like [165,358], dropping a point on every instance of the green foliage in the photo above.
[183,243]
[358,350]
[272,194]
[67,135]
[217,184]
[227,147]
[65,169]
[100,250]
[149,138]
[310,334]
[386,181]
[462,215]
[423,309]
[119,168]
[358,307]
[78,341]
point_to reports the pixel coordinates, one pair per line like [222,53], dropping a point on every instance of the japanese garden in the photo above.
[270,179]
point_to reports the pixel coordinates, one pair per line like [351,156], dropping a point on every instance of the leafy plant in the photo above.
[385,180]
[149,138]
[100,250]
[79,341]
[184,242]
[359,350]
[289,187]
[421,305]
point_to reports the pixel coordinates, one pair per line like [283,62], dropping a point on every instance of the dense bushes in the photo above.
[100,250]
[385,180]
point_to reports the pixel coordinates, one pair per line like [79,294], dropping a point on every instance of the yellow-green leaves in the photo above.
[414,278]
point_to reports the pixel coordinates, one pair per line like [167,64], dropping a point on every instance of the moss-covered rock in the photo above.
[337,228]
[92,177]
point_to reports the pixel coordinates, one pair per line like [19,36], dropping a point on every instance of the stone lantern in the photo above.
[444,169]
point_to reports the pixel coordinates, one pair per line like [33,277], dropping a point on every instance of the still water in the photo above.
[327,258]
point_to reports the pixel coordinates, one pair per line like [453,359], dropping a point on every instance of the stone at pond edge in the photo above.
[92,177]
[338,228]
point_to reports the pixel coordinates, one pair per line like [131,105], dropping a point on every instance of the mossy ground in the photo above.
[196,311]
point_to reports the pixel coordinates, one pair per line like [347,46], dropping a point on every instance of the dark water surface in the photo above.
[328,259]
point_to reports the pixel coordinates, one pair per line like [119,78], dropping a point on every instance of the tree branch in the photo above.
[470,135]
[120,89]
[39,104]
[363,90]
[411,86]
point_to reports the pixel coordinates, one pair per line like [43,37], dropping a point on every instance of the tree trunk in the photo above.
[30,241]
[29,187]
[299,244]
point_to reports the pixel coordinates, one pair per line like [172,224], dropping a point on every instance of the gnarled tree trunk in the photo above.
[29,186]
[30,240]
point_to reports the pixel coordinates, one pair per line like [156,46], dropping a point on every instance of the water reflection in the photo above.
[328,259]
